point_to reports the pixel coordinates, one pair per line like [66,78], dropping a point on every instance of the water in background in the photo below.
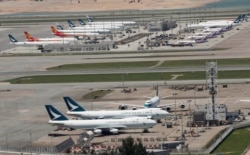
[229,4]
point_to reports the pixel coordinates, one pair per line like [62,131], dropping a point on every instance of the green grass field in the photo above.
[235,143]
[170,63]
[126,77]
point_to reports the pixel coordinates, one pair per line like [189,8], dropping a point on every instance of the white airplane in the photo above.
[79,35]
[31,38]
[191,41]
[205,34]
[196,37]
[98,126]
[91,27]
[76,110]
[153,102]
[215,31]
[38,44]
[240,18]
[220,23]
[89,31]
[115,23]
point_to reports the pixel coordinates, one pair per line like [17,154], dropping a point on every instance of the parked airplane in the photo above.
[153,102]
[76,110]
[92,27]
[196,37]
[205,34]
[89,31]
[215,31]
[79,35]
[31,38]
[98,125]
[222,23]
[40,45]
[90,21]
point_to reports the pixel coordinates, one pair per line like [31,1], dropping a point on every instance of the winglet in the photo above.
[54,114]
[81,22]
[12,39]
[73,105]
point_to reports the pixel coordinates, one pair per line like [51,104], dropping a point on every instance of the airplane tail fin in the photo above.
[81,22]
[54,114]
[71,24]
[73,105]
[240,18]
[59,27]
[53,29]
[12,39]
[29,37]
[89,19]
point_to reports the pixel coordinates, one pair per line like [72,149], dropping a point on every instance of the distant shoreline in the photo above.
[28,6]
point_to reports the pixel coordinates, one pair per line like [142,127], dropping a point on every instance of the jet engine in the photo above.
[123,107]
[168,108]
[134,108]
[114,131]
[97,131]
[182,106]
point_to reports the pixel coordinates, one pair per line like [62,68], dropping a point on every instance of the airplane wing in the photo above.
[134,105]
[166,105]
[166,97]
[130,105]
[245,100]
[107,127]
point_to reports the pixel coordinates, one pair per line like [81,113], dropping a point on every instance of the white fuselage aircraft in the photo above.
[99,125]
[36,43]
[115,23]
[30,38]
[76,110]
[92,27]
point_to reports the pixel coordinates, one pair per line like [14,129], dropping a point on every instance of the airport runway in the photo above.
[22,112]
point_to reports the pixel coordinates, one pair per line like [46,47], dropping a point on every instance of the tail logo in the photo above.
[55,116]
[81,22]
[12,39]
[71,24]
[73,107]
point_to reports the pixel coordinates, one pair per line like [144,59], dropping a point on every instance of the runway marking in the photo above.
[175,76]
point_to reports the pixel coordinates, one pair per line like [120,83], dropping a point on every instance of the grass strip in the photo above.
[127,77]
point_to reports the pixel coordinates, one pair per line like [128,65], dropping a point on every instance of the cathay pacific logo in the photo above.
[55,116]
[73,107]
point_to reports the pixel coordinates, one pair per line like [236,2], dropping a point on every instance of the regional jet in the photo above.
[153,102]
[76,110]
[98,126]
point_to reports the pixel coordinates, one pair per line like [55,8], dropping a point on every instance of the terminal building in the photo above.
[161,25]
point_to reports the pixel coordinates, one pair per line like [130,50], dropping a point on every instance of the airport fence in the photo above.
[226,133]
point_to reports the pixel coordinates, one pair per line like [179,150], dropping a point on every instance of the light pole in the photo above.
[190,124]
[174,94]
[30,143]
[182,134]
[91,97]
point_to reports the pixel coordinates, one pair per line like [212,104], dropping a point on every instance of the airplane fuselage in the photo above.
[154,113]
[128,123]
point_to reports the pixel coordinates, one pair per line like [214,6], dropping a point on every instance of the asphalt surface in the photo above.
[22,112]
